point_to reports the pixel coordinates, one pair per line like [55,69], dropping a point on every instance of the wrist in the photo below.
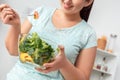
[16,24]
[65,64]
[16,28]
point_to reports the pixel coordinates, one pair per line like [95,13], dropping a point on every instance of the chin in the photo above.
[67,11]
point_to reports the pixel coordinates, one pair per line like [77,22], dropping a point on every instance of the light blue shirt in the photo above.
[74,39]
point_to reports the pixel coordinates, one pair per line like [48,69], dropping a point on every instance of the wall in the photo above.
[104,18]
[6,61]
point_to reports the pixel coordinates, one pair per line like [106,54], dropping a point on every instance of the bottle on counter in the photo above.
[101,76]
[104,65]
[111,43]
[101,42]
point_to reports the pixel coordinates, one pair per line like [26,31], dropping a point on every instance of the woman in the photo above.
[67,27]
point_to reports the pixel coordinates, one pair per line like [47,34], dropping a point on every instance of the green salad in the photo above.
[33,49]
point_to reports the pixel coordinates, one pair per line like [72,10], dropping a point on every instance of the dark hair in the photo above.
[85,12]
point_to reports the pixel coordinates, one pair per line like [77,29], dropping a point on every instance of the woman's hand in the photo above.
[57,64]
[8,15]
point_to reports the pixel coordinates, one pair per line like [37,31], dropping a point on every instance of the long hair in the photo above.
[85,12]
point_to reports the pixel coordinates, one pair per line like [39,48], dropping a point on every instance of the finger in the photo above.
[8,9]
[61,49]
[39,69]
[43,70]
[48,65]
[8,19]
[5,13]
[2,6]
[48,70]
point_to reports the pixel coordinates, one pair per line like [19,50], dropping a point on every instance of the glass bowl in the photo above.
[36,51]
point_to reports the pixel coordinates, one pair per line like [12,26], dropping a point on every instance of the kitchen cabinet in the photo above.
[104,66]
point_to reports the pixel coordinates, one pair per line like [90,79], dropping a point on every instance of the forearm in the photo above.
[12,40]
[70,72]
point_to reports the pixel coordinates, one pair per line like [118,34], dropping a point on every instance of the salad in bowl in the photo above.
[35,51]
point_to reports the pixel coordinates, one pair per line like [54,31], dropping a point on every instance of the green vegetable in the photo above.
[40,51]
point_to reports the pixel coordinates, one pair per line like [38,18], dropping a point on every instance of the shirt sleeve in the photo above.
[91,41]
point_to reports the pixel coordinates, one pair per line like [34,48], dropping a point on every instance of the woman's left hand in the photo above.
[57,64]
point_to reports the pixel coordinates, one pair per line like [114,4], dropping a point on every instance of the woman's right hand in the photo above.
[8,15]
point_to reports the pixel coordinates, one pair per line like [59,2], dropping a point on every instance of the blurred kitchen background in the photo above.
[104,18]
